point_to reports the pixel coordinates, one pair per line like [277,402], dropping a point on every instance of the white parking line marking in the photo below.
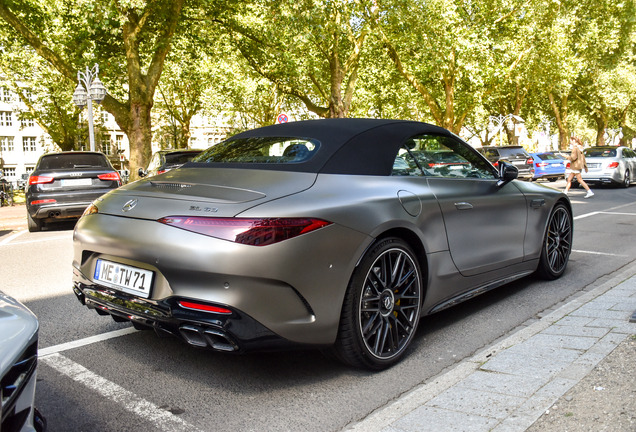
[83,342]
[160,418]
[598,253]
[11,237]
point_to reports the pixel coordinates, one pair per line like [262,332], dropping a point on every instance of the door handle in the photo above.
[463,206]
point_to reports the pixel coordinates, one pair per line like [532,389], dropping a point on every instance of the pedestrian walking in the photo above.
[577,163]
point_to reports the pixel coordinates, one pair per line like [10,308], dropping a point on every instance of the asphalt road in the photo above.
[141,382]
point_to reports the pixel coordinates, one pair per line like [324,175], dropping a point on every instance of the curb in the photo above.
[407,403]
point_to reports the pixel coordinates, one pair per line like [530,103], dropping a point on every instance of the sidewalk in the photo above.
[13,218]
[513,385]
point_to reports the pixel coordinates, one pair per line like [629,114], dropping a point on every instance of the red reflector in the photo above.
[204,307]
[109,176]
[46,201]
[40,179]
[254,232]
[613,165]
[161,171]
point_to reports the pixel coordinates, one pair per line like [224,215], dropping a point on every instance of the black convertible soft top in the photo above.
[348,146]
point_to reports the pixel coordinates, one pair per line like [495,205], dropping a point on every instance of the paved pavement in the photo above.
[508,386]
[12,218]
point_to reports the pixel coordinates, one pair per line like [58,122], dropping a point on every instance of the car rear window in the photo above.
[261,150]
[592,152]
[180,158]
[70,161]
[512,152]
[548,156]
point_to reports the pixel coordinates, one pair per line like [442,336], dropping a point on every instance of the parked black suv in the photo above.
[64,184]
[515,155]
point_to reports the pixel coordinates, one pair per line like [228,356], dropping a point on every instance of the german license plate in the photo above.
[593,165]
[125,278]
[77,182]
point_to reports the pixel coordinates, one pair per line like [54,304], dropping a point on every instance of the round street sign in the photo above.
[282,118]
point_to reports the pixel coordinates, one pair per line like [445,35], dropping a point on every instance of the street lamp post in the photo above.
[89,88]
[499,120]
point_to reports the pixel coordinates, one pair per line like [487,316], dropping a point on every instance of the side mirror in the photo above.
[142,172]
[507,173]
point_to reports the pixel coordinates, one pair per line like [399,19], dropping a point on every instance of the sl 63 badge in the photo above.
[205,209]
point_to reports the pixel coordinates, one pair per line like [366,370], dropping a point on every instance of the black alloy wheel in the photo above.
[557,244]
[626,180]
[382,307]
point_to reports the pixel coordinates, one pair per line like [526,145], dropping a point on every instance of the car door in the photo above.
[485,222]
[630,162]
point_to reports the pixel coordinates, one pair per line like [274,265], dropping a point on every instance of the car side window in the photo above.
[404,165]
[442,156]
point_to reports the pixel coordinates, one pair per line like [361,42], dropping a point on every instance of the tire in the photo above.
[381,308]
[557,244]
[34,225]
[626,180]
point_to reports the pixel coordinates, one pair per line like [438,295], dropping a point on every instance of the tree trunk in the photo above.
[561,116]
[601,125]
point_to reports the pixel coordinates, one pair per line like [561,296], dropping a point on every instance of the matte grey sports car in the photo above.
[309,234]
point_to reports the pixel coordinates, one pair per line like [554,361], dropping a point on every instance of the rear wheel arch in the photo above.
[415,243]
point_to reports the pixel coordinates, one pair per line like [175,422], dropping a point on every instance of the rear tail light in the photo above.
[612,165]
[541,164]
[254,232]
[40,180]
[567,165]
[44,201]
[496,164]
[529,161]
[110,176]
[204,307]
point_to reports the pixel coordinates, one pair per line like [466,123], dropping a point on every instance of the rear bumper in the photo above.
[595,178]
[235,333]
[58,210]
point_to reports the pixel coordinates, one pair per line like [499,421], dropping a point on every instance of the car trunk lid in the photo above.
[202,192]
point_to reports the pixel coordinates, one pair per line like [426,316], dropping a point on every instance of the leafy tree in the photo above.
[44,92]
[309,49]
[130,40]
[453,53]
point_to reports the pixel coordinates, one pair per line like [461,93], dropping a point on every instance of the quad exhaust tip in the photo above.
[207,338]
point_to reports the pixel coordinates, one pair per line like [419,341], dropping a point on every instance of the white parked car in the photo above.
[18,363]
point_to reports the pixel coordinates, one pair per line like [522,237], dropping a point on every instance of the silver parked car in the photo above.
[310,234]
[610,165]
[18,363]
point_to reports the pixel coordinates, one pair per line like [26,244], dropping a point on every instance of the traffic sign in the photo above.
[282,118]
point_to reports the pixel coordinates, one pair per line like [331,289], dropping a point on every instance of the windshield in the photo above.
[261,150]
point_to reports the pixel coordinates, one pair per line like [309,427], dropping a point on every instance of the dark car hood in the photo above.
[204,192]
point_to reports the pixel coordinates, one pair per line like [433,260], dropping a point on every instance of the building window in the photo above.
[8,172]
[5,95]
[5,118]
[27,123]
[6,144]
[28,144]
[29,169]
[106,145]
